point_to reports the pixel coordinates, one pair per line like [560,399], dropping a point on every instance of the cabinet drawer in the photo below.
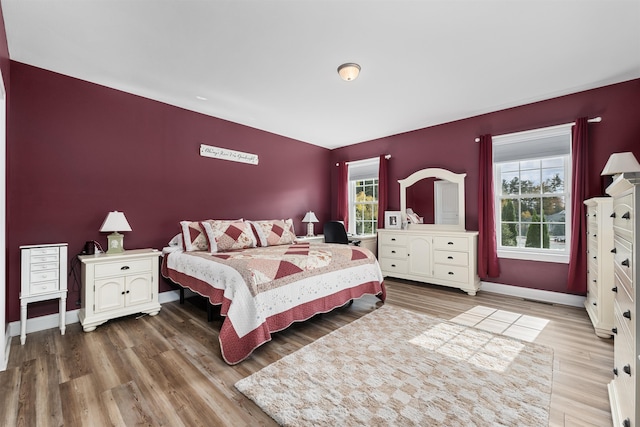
[623,357]
[123,268]
[451,258]
[451,243]
[35,252]
[624,303]
[623,262]
[451,272]
[44,259]
[43,287]
[392,239]
[44,266]
[390,266]
[393,252]
[624,215]
[43,276]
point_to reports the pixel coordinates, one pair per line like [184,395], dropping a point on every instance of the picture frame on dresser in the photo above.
[392,219]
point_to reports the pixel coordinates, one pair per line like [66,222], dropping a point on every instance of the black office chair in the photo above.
[334,232]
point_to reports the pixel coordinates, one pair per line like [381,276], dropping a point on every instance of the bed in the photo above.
[262,290]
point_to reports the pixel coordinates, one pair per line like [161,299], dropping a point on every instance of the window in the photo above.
[532,176]
[363,196]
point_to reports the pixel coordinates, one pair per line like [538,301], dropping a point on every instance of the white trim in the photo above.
[6,350]
[534,294]
[49,321]
[523,254]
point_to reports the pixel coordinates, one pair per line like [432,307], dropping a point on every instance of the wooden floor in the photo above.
[167,370]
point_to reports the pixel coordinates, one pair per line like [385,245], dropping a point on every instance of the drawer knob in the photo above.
[626,215]
[449,257]
[613,215]
[626,423]
[615,289]
[393,265]
[625,262]
[595,280]
[595,257]
[393,252]
[627,369]
[449,243]
[614,250]
[627,314]
[595,235]
[393,239]
[615,371]
[595,304]
[124,267]
[614,330]
[451,273]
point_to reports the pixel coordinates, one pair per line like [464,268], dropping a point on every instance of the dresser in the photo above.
[43,276]
[445,258]
[599,302]
[623,389]
[115,285]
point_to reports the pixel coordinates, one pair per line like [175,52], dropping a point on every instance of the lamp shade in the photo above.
[115,221]
[349,71]
[310,217]
[620,163]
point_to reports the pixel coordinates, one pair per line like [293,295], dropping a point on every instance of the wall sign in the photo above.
[231,155]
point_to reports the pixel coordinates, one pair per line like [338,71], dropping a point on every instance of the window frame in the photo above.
[366,169]
[534,254]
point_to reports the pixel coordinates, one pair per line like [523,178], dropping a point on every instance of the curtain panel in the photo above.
[383,180]
[342,213]
[488,265]
[577,278]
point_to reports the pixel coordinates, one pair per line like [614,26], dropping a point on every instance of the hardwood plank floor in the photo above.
[167,369]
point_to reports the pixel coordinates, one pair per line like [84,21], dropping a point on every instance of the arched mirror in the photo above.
[435,197]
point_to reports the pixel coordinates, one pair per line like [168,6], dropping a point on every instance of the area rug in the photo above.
[394,367]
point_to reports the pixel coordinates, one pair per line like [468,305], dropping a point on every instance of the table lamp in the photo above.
[310,218]
[115,221]
[620,163]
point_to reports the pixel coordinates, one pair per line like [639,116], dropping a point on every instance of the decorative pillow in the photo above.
[224,236]
[177,241]
[274,232]
[193,236]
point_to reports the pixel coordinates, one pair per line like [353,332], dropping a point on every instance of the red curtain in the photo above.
[343,194]
[488,265]
[382,189]
[577,280]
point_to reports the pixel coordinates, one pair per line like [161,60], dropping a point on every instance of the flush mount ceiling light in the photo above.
[349,71]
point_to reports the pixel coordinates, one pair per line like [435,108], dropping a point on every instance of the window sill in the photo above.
[534,256]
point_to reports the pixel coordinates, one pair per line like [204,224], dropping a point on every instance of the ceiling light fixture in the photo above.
[349,71]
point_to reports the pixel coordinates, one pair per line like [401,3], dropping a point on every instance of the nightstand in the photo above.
[319,238]
[115,285]
[43,277]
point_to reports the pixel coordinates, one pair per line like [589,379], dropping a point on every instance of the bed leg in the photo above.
[181,295]
[209,312]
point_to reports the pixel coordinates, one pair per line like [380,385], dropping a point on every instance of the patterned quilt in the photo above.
[264,290]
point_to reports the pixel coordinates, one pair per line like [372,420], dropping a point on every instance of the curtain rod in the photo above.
[594,120]
[387,156]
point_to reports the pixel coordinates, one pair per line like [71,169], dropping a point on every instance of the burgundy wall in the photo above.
[77,150]
[452,146]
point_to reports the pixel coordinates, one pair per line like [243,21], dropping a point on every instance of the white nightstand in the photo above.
[43,277]
[319,238]
[115,285]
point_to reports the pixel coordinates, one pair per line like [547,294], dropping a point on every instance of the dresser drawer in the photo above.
[391,266]
[451,272]
[123,268]
[623,362]
[451,243]
[36,252]
[451,258]
[44,259]
[393,252]
[44,266]
[624,216]
[625,304]
[623,260]
[392,239]
[36,288]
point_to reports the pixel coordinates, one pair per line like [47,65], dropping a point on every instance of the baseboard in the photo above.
[534,294]
[5,350]
[49,321]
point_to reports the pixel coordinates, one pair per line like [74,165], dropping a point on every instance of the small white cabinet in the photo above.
[116,285]
[43,277]
[445,258]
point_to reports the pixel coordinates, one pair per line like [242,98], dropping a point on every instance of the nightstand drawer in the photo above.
[35,252]
[123,267]
[44,258]
[43,287]
[44,266]
[43,276]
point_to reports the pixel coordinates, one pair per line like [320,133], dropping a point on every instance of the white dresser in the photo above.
[445,258]
[623,389]
[115,285]
[599,302]
[43,277]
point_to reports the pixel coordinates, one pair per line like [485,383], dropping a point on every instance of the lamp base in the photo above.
[115,243]
[310,229]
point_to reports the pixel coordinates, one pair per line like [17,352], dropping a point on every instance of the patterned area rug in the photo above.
[397,367]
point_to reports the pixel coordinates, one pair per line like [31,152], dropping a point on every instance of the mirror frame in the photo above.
[437,173]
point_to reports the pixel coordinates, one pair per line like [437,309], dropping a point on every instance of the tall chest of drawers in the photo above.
[624,388]
[599,302]
[43,273]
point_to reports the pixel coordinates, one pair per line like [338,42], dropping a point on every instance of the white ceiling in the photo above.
[271,64]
